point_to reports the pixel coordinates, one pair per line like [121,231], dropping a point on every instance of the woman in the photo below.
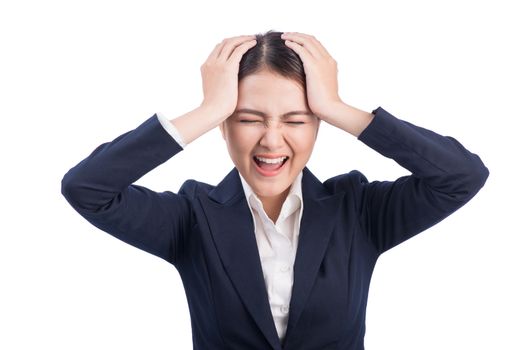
[271,257]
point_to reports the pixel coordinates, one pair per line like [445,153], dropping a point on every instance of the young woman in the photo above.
[271,257]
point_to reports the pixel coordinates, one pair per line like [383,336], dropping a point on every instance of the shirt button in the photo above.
[284,268]
[284,309]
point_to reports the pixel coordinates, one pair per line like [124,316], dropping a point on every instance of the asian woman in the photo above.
[271,257]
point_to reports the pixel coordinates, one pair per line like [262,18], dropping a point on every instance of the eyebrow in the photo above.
[264,115]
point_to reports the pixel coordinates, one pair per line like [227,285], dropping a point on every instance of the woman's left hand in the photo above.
[321,73]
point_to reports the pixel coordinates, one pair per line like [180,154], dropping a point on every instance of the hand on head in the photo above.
[321,72]
[220,73]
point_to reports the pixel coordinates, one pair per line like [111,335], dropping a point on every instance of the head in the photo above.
[271,88]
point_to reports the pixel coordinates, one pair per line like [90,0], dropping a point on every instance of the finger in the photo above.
[304,54]
[218,48]
[309,42]
[213,55]
[320,47]
[230,44]
[240,50]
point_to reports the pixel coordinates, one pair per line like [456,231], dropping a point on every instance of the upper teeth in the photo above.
[271,160]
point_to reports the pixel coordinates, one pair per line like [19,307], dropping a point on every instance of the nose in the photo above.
[272,137]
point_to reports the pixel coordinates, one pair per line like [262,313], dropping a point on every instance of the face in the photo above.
[262,126]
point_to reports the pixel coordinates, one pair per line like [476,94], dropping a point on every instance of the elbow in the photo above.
[472,180]
[69,188]
[76,192]
[483,175]
[85,195]
[480,177]
[479,174]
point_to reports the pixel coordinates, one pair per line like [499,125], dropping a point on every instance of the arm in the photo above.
[171,129]
[445,176]
[100,189]
[193,124]
[348,118]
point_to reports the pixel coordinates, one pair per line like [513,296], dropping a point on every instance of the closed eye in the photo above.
[254,121]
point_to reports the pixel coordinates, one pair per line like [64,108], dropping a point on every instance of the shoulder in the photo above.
[192,188]
[183,203]
[352,181]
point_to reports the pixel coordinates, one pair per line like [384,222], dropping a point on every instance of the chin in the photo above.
[270,193]
[269,190]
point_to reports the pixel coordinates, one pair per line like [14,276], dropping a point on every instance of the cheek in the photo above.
[302,141]
[241,142]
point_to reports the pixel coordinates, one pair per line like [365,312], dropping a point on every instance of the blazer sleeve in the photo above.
[445,176]
[100,188]
[171,129]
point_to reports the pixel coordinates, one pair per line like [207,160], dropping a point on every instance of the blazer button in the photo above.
[284,309]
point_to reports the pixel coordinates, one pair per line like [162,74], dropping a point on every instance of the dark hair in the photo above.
[271,54]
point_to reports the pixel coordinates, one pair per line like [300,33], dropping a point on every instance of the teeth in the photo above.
[271,161]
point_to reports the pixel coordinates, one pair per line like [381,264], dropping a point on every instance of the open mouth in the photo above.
[269,166]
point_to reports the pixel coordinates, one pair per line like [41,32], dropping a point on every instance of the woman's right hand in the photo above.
[220,74]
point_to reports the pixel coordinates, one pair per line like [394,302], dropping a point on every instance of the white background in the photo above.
[77,74]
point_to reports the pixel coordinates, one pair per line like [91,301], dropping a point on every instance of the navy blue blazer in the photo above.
[207,232]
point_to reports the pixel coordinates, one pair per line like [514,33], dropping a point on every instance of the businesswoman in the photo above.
[271,257]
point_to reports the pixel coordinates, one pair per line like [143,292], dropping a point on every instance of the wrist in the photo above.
[348,118]
[214,112]
[197,122]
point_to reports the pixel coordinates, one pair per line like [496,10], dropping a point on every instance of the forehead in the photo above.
[265,89]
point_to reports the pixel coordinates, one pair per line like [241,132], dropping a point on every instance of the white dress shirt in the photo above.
[277,242]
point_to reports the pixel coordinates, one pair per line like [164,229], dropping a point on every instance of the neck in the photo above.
[273,205]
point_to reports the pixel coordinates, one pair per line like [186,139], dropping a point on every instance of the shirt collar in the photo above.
[292,202]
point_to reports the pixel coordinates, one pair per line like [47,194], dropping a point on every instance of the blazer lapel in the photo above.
[316,227]
[232,229]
